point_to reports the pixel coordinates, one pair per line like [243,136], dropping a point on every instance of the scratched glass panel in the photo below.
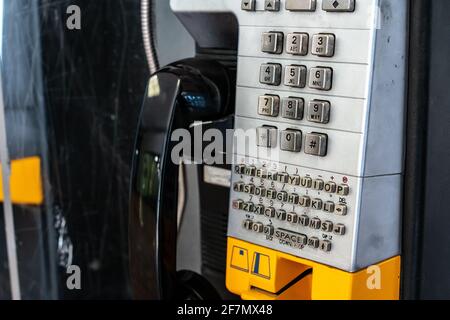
[72,95]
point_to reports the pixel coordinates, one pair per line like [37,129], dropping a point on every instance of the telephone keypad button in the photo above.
[291,140]
[321,78]
[327,226]
[315,223]
[258,227]
[248,5]
[323,45]
[292,217]
[269,212]
[272,42]
[266,137]
[328,207]
[261,173]
[339,229]
[294,180]
[318,184]
[248,224]
[271,194]
[313,242]
[270,73]
[249,189]
[240,169]
[269,105]
[238,186]
[250,171]
[304,201]
[316,204]
[306,182]
[282,196]
[269,230]
[316,144]
[295,76]
[319,111]
[283,177]
[293,108]
[293,198]
[297,44]
[325,245]
[259,209]
[303,220]
[237,204]
[281,215]
[330,187]
[343,190]
[248,207]
[341,209]
[260,191]
[272,5]
[301,5]
[338,6]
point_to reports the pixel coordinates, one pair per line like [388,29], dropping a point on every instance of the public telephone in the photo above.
[315,195]
[322,86]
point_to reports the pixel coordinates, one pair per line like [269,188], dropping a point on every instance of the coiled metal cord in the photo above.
[148,35]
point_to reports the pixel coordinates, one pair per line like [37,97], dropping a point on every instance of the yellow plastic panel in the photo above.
[25,182]
[267,272]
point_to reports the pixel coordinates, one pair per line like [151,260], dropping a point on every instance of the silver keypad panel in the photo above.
[319,83]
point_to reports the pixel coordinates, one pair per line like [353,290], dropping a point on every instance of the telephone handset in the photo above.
[177,95]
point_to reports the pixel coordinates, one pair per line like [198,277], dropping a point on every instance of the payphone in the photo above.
[315,200]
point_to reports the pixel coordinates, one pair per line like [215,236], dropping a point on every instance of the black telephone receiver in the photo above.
[177,95]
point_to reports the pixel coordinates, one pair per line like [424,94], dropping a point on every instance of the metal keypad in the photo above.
[295,76]
[270,74]
[272,42]
[303,221]
[330,105]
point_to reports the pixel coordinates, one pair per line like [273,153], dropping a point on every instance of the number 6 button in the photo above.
[321,78]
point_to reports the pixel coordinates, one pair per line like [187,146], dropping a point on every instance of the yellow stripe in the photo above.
[25,182]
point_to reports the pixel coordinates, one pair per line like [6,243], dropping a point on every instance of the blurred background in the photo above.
[73,97]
